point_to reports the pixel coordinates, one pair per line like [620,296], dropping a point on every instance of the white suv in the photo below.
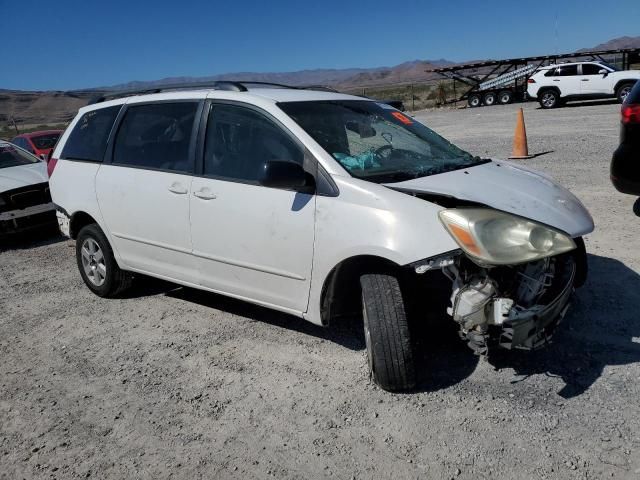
[555,84]
[318,204]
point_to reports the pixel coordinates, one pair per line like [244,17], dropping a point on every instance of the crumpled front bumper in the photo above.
[534,327]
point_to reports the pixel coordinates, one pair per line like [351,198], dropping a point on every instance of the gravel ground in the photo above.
[174,383]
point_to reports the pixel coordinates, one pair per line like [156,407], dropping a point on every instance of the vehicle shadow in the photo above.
[35,238]
[346,331]
[592,103]
[601,329]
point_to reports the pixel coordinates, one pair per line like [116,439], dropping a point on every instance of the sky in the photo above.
[68,44]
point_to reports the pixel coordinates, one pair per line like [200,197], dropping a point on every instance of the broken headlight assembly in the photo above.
[491,237]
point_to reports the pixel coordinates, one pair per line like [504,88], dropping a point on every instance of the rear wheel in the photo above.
[623,91]
[549,99]
[490,98]
[474,100]
[505,97]
[386,331]
[97,264]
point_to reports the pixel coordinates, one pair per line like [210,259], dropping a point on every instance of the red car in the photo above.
[39,143]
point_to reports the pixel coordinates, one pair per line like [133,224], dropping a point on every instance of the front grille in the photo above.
[25,197]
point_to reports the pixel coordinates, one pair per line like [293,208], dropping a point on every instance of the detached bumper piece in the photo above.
[26,208]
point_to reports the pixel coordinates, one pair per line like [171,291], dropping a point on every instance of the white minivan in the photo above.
[318,204]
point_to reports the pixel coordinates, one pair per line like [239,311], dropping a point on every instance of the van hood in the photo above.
[510,188]
[22,175]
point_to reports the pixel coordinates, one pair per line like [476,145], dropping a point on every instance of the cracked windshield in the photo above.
[376,142]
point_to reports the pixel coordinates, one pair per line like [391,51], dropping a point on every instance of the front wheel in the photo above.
[387,334]
[97,264]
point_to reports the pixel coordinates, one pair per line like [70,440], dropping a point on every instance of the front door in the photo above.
[251,241]
[593,82]
[144,192]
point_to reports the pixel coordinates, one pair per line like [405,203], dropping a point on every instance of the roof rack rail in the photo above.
[229,85]
[217,85]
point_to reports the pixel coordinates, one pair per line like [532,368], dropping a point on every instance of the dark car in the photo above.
[625,165]
[39,143]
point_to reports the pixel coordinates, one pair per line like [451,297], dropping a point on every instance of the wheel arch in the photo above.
[619,83]
[541,90]
[340,292]
[78,220]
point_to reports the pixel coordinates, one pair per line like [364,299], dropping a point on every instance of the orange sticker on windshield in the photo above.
[404,119]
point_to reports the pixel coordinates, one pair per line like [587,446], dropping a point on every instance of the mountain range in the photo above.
[59,107]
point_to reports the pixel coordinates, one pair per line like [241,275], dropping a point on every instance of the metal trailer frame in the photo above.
[463,73]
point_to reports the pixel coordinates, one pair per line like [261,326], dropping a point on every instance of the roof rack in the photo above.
[229,85]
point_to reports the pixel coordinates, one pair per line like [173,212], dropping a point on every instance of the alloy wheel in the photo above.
[93,262]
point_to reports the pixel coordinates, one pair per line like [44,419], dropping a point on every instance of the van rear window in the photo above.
[88,140]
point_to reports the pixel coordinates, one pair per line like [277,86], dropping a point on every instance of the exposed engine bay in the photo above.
[509,306]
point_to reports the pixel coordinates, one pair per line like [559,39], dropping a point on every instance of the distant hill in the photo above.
[616,43]
[33,108]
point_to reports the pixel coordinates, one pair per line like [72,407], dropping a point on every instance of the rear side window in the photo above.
[157,136]
[88,140]
[240,141]
[568,71]
[45,141]
[563,71]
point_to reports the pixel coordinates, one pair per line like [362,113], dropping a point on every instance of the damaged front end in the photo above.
[510,306]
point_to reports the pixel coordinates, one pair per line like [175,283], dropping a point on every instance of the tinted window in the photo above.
[45,141]
[551,73]
[10,156]
[88,140]
[568,70]
[157,136]
[239,141]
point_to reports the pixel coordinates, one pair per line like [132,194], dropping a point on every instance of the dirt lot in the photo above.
[174,383]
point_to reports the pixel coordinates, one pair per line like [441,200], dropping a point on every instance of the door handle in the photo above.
[556,79]
[177,188]
[204,194]
[584,80]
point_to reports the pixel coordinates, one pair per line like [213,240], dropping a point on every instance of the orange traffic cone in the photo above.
[520,147]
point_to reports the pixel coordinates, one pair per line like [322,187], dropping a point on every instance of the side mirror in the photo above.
[285,175]
[603,72]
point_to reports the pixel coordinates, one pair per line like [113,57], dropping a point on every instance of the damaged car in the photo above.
[25,200]
[318,204]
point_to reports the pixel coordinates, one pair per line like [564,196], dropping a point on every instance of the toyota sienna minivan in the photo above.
[318,204]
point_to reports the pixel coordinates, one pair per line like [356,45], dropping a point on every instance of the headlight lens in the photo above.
[497,238]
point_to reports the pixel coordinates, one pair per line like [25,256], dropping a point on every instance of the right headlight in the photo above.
[497,238]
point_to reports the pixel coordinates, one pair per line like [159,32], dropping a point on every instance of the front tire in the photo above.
[623,91]
[387,334]
[549,99]
[97,264]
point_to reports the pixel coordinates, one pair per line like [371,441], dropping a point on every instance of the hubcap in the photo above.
[475,101]
[625,93]
[93,262]
[548,100]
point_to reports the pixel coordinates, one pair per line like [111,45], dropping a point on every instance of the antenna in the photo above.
[556,32]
